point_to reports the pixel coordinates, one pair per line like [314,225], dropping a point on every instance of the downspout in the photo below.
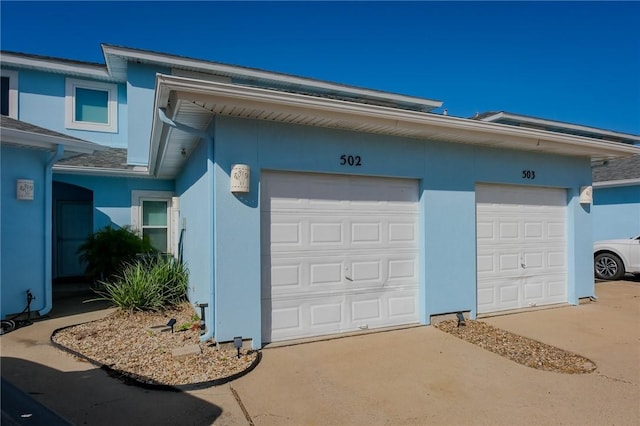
[48,242]
[209,320]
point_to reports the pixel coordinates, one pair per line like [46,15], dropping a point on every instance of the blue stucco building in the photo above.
[301,208]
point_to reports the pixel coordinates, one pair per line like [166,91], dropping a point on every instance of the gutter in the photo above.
[142,172]
[48,223]
[394,121]
[612,183]
[209,320]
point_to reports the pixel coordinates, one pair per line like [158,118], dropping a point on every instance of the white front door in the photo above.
[521,247]
[339,253]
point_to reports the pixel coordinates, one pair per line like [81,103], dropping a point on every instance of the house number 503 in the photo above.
[350,160]
[528,174]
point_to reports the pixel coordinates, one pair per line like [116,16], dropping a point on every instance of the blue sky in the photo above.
[577,62]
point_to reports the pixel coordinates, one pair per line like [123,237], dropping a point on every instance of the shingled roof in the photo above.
[617,169]
[110,158]
[13,124]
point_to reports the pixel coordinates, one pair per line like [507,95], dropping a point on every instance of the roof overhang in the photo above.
[568,127]
[44,142]
[616,183]
[194,103]
[117,58]
[60,66]
[141,172]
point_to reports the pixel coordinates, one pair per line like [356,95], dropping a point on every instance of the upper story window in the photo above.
[9,93]
[91,106]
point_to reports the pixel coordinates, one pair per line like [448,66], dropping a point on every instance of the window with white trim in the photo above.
[91,105]
[152,218]
[9,93]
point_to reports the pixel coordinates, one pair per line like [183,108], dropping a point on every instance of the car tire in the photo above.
[608,266]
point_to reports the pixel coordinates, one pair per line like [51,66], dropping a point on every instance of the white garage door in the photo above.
[521,247]
[339,253]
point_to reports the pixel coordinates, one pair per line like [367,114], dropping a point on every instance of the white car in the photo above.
[614,258]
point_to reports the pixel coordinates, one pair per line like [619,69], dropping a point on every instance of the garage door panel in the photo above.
[556,289]
[486,296]
[402,269]
[403,308]
[326,314]
[322,274]
[485,264]
[403,232]
[345,259]
[285,276]
[366,271]
[287,318]
[508,294]
[326,233]
[366,232]
[286,233]
[521,246]
[533,291]
[367,310]
[557,259]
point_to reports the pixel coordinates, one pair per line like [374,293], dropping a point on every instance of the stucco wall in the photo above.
[140,102]
[448,174]
[112,195]
[22,233]
[194,186]
[41,101]
[616,212]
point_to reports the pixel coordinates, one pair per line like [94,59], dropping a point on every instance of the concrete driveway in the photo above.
[412,376]
[423,376]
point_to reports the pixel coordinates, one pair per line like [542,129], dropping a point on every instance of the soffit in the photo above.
[197,102]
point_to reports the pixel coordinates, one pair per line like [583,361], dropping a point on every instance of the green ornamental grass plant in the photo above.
[151,283]
[105,251]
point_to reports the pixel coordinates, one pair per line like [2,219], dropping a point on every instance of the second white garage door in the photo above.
[339,253]
[521,247]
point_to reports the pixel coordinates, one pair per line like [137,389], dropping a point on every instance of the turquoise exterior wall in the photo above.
[616,212]
[22,231]
[447,173]
[141,81]
[112,196]
[41,101]
[194,186]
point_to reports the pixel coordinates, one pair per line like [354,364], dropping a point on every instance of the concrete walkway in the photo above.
[412,376]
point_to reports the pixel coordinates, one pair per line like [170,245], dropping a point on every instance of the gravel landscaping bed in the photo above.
[134,345]
[520,349]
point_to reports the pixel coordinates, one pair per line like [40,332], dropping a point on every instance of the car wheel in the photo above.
[608,266]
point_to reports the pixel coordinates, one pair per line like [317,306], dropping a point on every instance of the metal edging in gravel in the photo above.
[134,381]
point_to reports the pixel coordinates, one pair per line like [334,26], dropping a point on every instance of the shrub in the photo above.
[106,250]
[151,283]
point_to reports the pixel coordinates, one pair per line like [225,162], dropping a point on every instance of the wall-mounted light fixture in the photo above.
[25,189]
[586,194]
[240,176]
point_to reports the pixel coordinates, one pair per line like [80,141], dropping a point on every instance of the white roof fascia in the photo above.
[612,183]
[545,122]
[211,67]
[466,130]
[87,70]
[101,171]
[48,142]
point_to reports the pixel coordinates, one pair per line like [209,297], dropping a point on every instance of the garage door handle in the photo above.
[523,266]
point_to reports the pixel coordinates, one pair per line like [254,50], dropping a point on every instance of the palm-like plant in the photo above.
[105,251]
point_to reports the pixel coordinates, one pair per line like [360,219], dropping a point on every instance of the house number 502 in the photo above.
[528,174]
[350,160]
